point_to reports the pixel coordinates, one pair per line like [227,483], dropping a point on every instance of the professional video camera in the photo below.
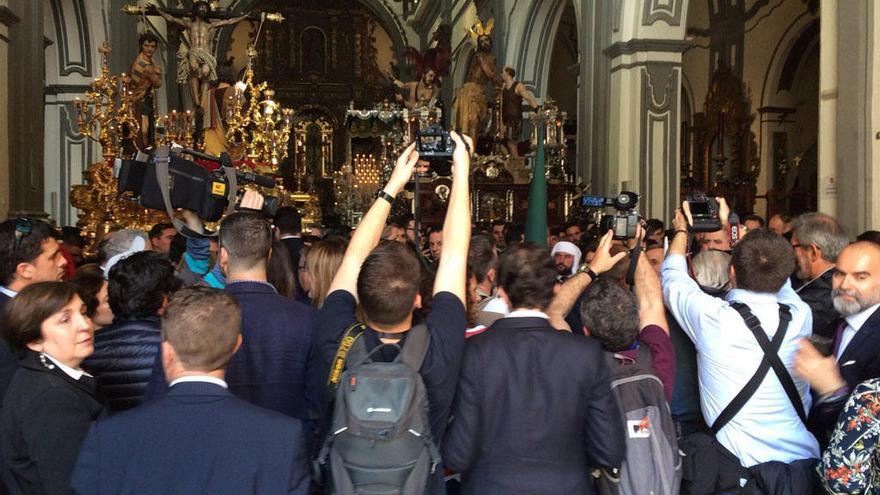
[704,213]
[168,181]
[436,146]
[625,222]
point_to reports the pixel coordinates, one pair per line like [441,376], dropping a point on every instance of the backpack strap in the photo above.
[416,346]
[771,359]
[349,339]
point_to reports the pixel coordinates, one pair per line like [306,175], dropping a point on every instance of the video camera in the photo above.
[168,181]
[436,146]
[704,213]
[625,221]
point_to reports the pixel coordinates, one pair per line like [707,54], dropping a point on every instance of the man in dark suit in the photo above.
[269,370]
[198,437]
[534,409]
[817,240]
[856,350]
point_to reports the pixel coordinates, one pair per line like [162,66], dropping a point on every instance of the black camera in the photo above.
[436,146]
[625,222]
[189,185]
[704,213]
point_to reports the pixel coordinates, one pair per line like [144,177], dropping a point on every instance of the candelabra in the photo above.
[549,120]
[179,127]
[257,129]
[106,115]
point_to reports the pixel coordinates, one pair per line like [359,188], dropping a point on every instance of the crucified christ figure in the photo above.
[196,65]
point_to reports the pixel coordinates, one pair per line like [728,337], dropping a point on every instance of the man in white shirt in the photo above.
[855,355]
[768,427]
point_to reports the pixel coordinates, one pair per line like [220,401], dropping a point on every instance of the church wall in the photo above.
[6,18]
[767,41]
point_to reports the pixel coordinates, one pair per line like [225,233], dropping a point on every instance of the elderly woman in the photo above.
[51,401]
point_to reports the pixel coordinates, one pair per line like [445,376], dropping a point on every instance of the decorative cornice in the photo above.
[7,16]
[648,45]
[426,13]
[65,89]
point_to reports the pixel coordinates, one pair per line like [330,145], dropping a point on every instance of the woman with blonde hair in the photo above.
[322,261]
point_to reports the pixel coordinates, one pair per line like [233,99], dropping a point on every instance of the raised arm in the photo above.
[527,95]
[572,289]
[649,295]
[452,269]
[229,22]
[368,232]
[173,20]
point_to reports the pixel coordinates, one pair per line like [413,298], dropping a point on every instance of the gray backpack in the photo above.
[653,464]
[379,441]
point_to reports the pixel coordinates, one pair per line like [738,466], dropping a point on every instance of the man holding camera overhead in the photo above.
[746,345]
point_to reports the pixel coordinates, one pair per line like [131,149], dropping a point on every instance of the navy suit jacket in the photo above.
[533,412]
[197,438]
[860,361]
[8,360]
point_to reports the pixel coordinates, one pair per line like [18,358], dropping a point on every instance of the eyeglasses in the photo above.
[23,228]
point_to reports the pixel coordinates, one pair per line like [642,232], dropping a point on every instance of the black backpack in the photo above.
[379,440]
[653,463]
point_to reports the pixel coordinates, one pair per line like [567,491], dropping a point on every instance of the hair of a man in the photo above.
[388,282]
[202,324]
[753,218]
[120,242]
[481,256]
[139,285]
[527,274]
[710,268]
[147,36]
[247,239]
[24,314]
[824,231]
[30,246]
[610,313]
[288,220]
[157,230]
[510,71]
[763,261]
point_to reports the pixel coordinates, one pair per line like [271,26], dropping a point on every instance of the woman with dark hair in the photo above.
[279,270]
[139,288]
[51,401]
[92,287]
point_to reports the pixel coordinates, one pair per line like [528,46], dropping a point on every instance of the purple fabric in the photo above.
[660,345]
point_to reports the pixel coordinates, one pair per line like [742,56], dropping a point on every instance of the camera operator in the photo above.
[766,422]
[718,240]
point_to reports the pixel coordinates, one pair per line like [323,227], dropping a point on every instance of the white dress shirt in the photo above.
[76,374]
[527,313]
[853,324]
[199,378]
[8,292]
[767,428]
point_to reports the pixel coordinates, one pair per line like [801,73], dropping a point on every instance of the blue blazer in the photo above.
[197,438]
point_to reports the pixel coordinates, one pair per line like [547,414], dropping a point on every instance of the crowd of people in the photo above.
[272,360]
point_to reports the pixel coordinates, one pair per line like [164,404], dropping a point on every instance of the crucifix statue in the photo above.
[196,64]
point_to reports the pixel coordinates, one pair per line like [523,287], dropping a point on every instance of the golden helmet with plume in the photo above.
[478,30]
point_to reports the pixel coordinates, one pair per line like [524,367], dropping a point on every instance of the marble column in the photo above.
[26,78]
[828,108]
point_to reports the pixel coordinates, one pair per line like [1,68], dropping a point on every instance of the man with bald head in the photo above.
[855,356]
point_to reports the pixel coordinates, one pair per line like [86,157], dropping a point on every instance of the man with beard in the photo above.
[817,240]
[856,347]
[421,93]
[566,259]
[470,105]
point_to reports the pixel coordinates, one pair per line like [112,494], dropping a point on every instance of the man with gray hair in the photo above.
[817,240]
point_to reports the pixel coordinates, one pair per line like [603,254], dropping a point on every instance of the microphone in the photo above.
[260,180]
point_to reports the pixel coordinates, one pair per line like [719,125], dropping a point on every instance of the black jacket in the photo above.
[860,361]
[45,417]
[533,412]
[8,361]
[817,295]
[123,360]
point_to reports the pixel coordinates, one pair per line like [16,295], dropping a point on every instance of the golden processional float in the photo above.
[106,115]
[255,133]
